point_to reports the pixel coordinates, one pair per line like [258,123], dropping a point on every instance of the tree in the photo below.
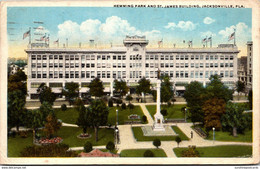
[240,87]
[144,118]
[71,91]
[234,118]
[98,115]
[16,109]
[156,142]
[110,146]
[45,94]
[121,87]
[213,108]
[148,153]
[144,86]
[52,125]
[17,81]
[129,98]
[217,89]
[88,147]
[193,96]
[166,89]
[34,120]
[178,140]
[83,120]
[46,109]
[96,88]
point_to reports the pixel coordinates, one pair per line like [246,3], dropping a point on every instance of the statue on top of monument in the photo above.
[158,74]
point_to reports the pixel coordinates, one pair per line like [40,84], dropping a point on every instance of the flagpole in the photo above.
[206,41]
[30,37]
[211,41]
[234,37]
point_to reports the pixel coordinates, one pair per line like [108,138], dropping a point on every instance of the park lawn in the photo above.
[138,134]
[69,136]
[123,114]
[227,136]
[140,152]
[174,111]
[220,151]
[17,144]
[68,116]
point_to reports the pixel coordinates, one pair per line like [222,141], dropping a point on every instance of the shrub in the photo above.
[123,106]
[173,100]
[50,150]
[131,106]
[119,101]
[117,105]
[144,118]
[191,152]
[178,140]
[164,112]
[148,153]
[23,134]
[110,103]
[156,142]
[64,107]
[110,146]
[88,147]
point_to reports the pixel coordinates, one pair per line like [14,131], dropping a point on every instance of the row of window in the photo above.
[187,65]
[191,74]
[187,57]
[134,57]
[76,57]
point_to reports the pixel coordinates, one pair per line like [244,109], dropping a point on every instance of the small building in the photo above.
[13,69]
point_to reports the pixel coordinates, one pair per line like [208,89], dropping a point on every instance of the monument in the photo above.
[158,117]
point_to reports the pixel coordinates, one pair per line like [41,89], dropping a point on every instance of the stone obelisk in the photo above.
[158,117]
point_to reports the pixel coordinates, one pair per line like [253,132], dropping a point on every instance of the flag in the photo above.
[159,42]
[232,36]
[204,40]
[26,34]
[42,38]
[190,42]
[209,39]
[56,42]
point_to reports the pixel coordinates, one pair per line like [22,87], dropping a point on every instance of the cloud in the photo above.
[185,26]
[243,33]
[208,20]
[113,29]
[41,30]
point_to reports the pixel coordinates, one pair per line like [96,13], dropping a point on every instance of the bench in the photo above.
[174,120]
[200,132]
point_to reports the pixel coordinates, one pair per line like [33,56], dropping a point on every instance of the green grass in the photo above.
[174,111]
[140,153]
[17,144]
[220,151]
[104,150]
[227,136]
[69,116]
[69,136]
[123,114]
[138,133]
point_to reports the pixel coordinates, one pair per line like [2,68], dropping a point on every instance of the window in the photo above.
[98,57]
[60,57]
[66,57]
[177,57]
[177,65]
[192,57]
[231,64]
[108,74]
[171,65]
[77,57]
[77,74]
[71,57]
[67,74]
[119,74]
[114,74]
[123,65]
[192,65]
[92,57]
[119,65]
[216,64]
[207,65]
[162,57]
[192,74]
[221,57]
[56,74]
[186,74]
[60,64]
[177,75]
[60,74]
[197,65]
[33,74]
[72,74]
[182,57]
[92,64]
[166,57]
[156,57]
[50,74]
[216,57]
[33,65]
[87,74]
[119,57]
[76,64]
[146,74]
[103,74]
[39,57]
[55,64]
[226,64]
[124,57]
[83,58]
[39,65]
[197,57]
[33,57]
[92,74]
[166,64]
[196,74]
[182,74]
[201,74]
[171,73]
[151,57]
[231,74]
[211,64]
[206,74]
[152,65]
[162,65]
[114,57]
[83,65]
[201,57]
[221,74]
[55,85]
[103,57]
[186,57]
[35,85]
[44,57]
[221,64]
[71,65]
[211,57]
[171,57]
[186,65]
[51,65]
[44,74]
[226,57]
[44,65]
[99,65]
[226,73]
[114,65]
[231,57]
[207,57]
[201,65]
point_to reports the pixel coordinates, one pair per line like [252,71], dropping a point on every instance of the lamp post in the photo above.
[116,117]
[185,113]
[213,134]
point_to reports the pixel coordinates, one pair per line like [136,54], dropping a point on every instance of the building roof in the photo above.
[97,153]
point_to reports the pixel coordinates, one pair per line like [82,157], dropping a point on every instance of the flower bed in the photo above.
[84,136]
[54,140]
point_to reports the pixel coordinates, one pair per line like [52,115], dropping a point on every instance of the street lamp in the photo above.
[116,116]
[185,113]
[213,134]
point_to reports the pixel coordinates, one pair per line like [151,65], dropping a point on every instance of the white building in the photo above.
[55,67]
[13,69]
[249,64]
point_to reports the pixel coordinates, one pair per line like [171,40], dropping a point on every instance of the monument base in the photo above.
[158,127]
[168,131]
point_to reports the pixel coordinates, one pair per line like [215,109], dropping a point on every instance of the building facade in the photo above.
[242,69]
[56,67]
[249,64]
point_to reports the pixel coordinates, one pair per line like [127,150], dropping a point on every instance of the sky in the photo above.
[106,25]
